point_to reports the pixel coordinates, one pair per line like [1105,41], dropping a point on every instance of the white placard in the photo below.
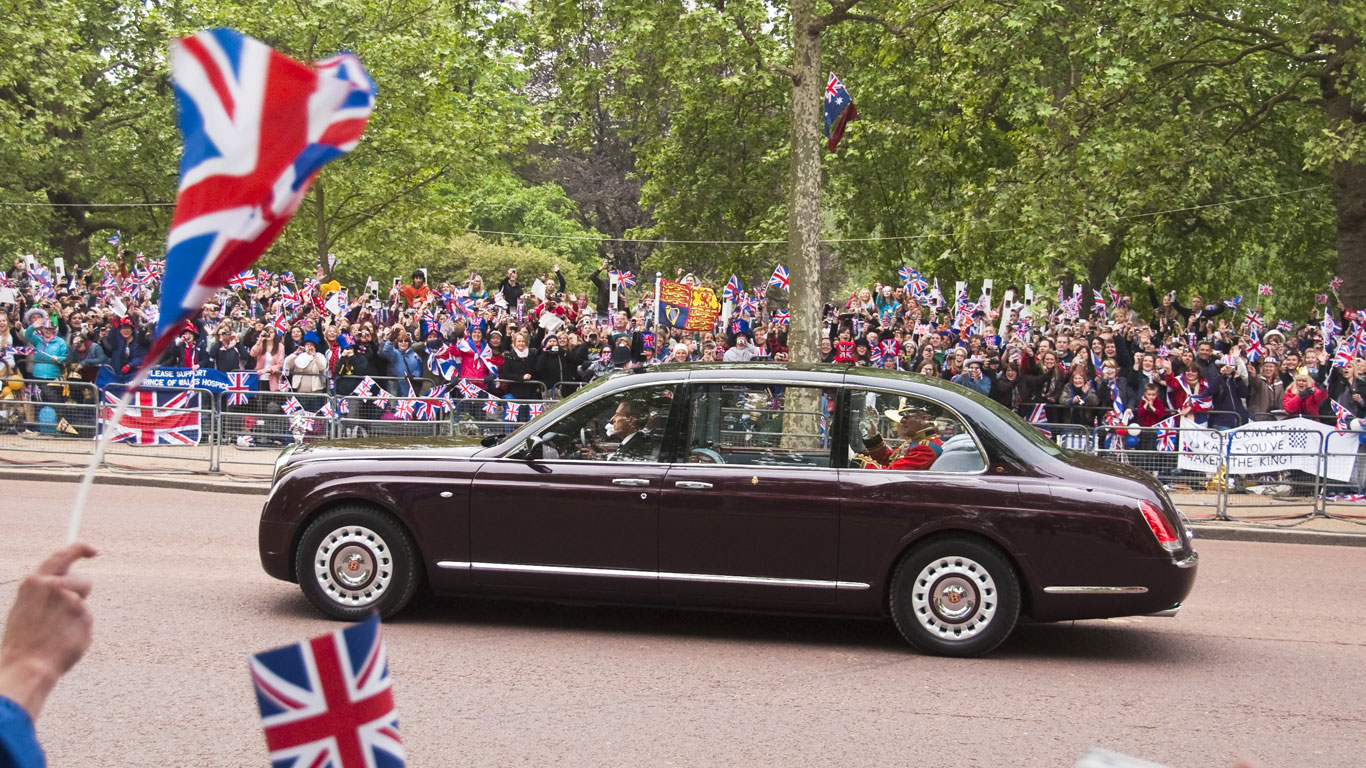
[551,322]
[1269,446]
[538,289]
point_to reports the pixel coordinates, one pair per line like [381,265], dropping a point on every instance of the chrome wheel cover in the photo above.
[353,565]
[954,598]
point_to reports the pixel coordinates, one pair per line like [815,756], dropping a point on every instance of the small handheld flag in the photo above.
[780,279]
[329,700]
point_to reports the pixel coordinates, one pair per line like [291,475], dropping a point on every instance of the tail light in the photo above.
[1160,526]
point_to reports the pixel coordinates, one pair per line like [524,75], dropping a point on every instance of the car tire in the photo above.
[355,560]
[955,596]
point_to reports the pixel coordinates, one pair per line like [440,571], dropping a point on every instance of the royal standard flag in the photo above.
[688,307]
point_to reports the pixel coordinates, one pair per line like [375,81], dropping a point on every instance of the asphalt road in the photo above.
[1267,661]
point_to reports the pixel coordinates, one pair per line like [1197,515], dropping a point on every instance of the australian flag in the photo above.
[257,126]
[839,111]
[329,701]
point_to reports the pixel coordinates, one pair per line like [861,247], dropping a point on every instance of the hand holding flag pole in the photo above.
[257,127]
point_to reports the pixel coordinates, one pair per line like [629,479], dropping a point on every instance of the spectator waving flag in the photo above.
[839,111]
[329,701]
[242,281]
[780,279]
[257,127]
[1344,416]
[782,318]
[624,279]
[1254,345]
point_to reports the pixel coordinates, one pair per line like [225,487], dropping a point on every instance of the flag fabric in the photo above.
[782,318]
[1344,416]
[1233,302]
[732,289]
[405,409]
[687,307]
[839,111]
[1254,319]
[1335,284]
[329,700]
[1320,298]
[780,279]
[1254,346]
[535,409]
[1038,416]
[116,239]
[242,281]
[155,418]
[241,385]
[1263,289]
[292,405]
[468,389]
[1168,432]
[512,412]
[257,128]
[1285,326]
[491,407]
[624,279]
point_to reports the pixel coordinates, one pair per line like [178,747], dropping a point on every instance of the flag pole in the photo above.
[102,445]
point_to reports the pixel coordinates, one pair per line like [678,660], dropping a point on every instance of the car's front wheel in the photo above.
[355,560]
[955,596]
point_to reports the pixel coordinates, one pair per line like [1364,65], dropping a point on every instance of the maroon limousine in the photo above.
[821,488]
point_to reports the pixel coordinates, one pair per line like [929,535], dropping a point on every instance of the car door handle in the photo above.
[631,482]
[692,485]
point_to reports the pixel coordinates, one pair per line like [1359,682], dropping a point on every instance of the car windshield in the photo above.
[1030,432]
[557,407]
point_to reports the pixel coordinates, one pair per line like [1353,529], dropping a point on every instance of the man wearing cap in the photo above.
[920,444]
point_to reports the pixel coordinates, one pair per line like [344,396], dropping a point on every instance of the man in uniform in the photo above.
[920,444]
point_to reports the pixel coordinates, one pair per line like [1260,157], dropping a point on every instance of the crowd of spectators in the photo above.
[1221,363]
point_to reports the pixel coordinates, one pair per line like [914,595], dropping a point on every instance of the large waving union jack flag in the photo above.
[329,701]
[155,418]
[258,126]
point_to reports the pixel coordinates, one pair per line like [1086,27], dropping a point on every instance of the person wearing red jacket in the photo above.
[1303,398]
[920,444]
[1189,394]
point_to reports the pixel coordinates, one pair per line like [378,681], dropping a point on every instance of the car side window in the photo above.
[909,433]
[624,426]
[759,424]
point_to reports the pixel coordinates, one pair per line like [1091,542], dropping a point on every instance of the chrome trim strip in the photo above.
[1095,590]
[1189,562]
[623,573]
[1170,612]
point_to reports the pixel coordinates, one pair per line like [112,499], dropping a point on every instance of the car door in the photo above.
[584,515]
[749,512]
[885,499]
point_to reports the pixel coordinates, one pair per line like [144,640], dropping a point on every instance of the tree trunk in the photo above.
[1349,202]
[804,196]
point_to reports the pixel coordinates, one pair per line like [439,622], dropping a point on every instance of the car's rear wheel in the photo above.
[955,596]
[355,560]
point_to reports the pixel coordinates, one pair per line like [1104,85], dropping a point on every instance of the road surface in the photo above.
[1267,661]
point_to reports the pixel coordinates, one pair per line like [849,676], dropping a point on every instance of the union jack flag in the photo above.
[242,281]
[1233,302]
[512,412]
[1254,346]
[468,389]
[326,412]
[782,318]
[365,387]
[1263,289]
[116,239]
[264,276]
[1254,319]
[491,407]
[282,324]
[428,408]
[287,277]
[292,405]
[257,128]
[240,386]
[155,418]
[404,409]
[732,289]
[624,279]
[535,409]
[891,347]
[343,406]
[906,273]
[290,296]
[1343,415]
[1167,433]
[329,701]
[779,278]
[1038,416]
[1285,326]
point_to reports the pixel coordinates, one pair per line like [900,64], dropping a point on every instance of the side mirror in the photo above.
[490,440]
[533,449]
